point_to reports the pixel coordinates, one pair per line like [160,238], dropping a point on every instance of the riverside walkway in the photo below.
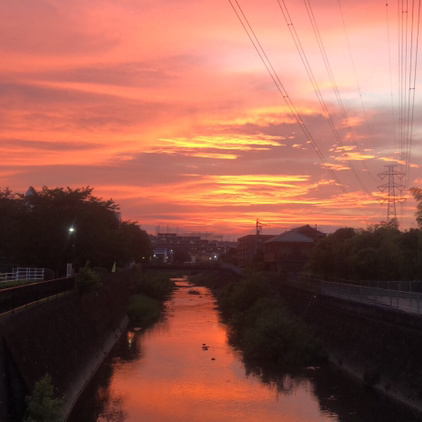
[408,302]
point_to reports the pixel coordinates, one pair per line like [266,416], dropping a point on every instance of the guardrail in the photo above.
[22,273]
[404,301]
[15,297]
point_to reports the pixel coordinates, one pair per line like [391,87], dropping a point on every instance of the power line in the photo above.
[274,76]
[365,115]
[334,85]
[285,11]
[408,46]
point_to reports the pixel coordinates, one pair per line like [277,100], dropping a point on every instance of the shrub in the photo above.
[143,310]
[272,334]
[240,296]
[157,286]
[262,328]
[87,280]
[42,406]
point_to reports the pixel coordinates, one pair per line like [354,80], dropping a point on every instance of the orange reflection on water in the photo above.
[188,372]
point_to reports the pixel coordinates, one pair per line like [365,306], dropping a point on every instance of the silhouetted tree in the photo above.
[12,218]
[134,243]
[417,194]
[37,230]
[381,252]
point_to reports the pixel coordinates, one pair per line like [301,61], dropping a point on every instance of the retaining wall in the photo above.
[380,346]
[66,338]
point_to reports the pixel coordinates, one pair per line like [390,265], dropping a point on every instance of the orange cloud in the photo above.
[177,118]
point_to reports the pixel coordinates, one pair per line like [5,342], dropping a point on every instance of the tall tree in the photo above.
[60,225]
[417,194]
[12,218]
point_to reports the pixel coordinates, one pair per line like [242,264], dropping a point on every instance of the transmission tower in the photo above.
[391,187]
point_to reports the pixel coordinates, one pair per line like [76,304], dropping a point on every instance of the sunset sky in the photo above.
[168,108]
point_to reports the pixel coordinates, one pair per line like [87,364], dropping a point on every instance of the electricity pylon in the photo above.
[391,188]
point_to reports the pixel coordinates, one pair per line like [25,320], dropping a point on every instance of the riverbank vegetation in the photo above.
[52,227]
[87,280]
[149,292]
[261,326]
[42,405]
[381,252]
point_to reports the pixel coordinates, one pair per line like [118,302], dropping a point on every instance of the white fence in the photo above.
[405,301]
[21,273]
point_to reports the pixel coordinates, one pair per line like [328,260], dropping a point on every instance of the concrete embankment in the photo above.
[380,347]
[67,338]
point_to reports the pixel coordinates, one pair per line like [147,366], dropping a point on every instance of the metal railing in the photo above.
[23,295]
[404,301]
[22,273]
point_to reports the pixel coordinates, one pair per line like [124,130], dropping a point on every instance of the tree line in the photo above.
[381,252]
[53,227]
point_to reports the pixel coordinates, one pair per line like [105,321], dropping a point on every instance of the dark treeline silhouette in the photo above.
[382,252]
[53,227]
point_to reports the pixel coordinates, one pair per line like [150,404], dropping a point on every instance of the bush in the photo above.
[261,326]
[143,310]
[42,406]
[87,280]
[240,296]
[273,334]
[157,286]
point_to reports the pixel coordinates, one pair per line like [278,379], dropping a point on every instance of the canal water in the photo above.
[183,369]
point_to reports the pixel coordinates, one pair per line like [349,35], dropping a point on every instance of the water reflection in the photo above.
[166,374]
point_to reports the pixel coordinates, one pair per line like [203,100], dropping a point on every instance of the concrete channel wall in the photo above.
[67,338]
[382,347]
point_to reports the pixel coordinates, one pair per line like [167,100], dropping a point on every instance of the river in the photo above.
[183,369]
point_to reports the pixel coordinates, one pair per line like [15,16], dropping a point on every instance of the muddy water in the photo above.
[184,370]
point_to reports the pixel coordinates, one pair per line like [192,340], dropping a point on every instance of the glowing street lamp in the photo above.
[69,268]
[72,233]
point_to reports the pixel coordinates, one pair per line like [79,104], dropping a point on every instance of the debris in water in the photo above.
[194,292]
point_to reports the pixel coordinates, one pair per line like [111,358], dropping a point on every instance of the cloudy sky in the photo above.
[206,115]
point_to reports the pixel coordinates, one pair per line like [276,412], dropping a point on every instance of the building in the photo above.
[163,255]
[310,231]
[199,249]
[249,246]
[291,250]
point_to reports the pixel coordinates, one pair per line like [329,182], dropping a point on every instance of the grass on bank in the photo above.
[150,291]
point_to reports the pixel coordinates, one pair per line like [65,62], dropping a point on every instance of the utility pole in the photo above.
[258,227]
[391,187]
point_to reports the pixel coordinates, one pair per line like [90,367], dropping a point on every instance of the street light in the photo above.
[72,233]
[69,266]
